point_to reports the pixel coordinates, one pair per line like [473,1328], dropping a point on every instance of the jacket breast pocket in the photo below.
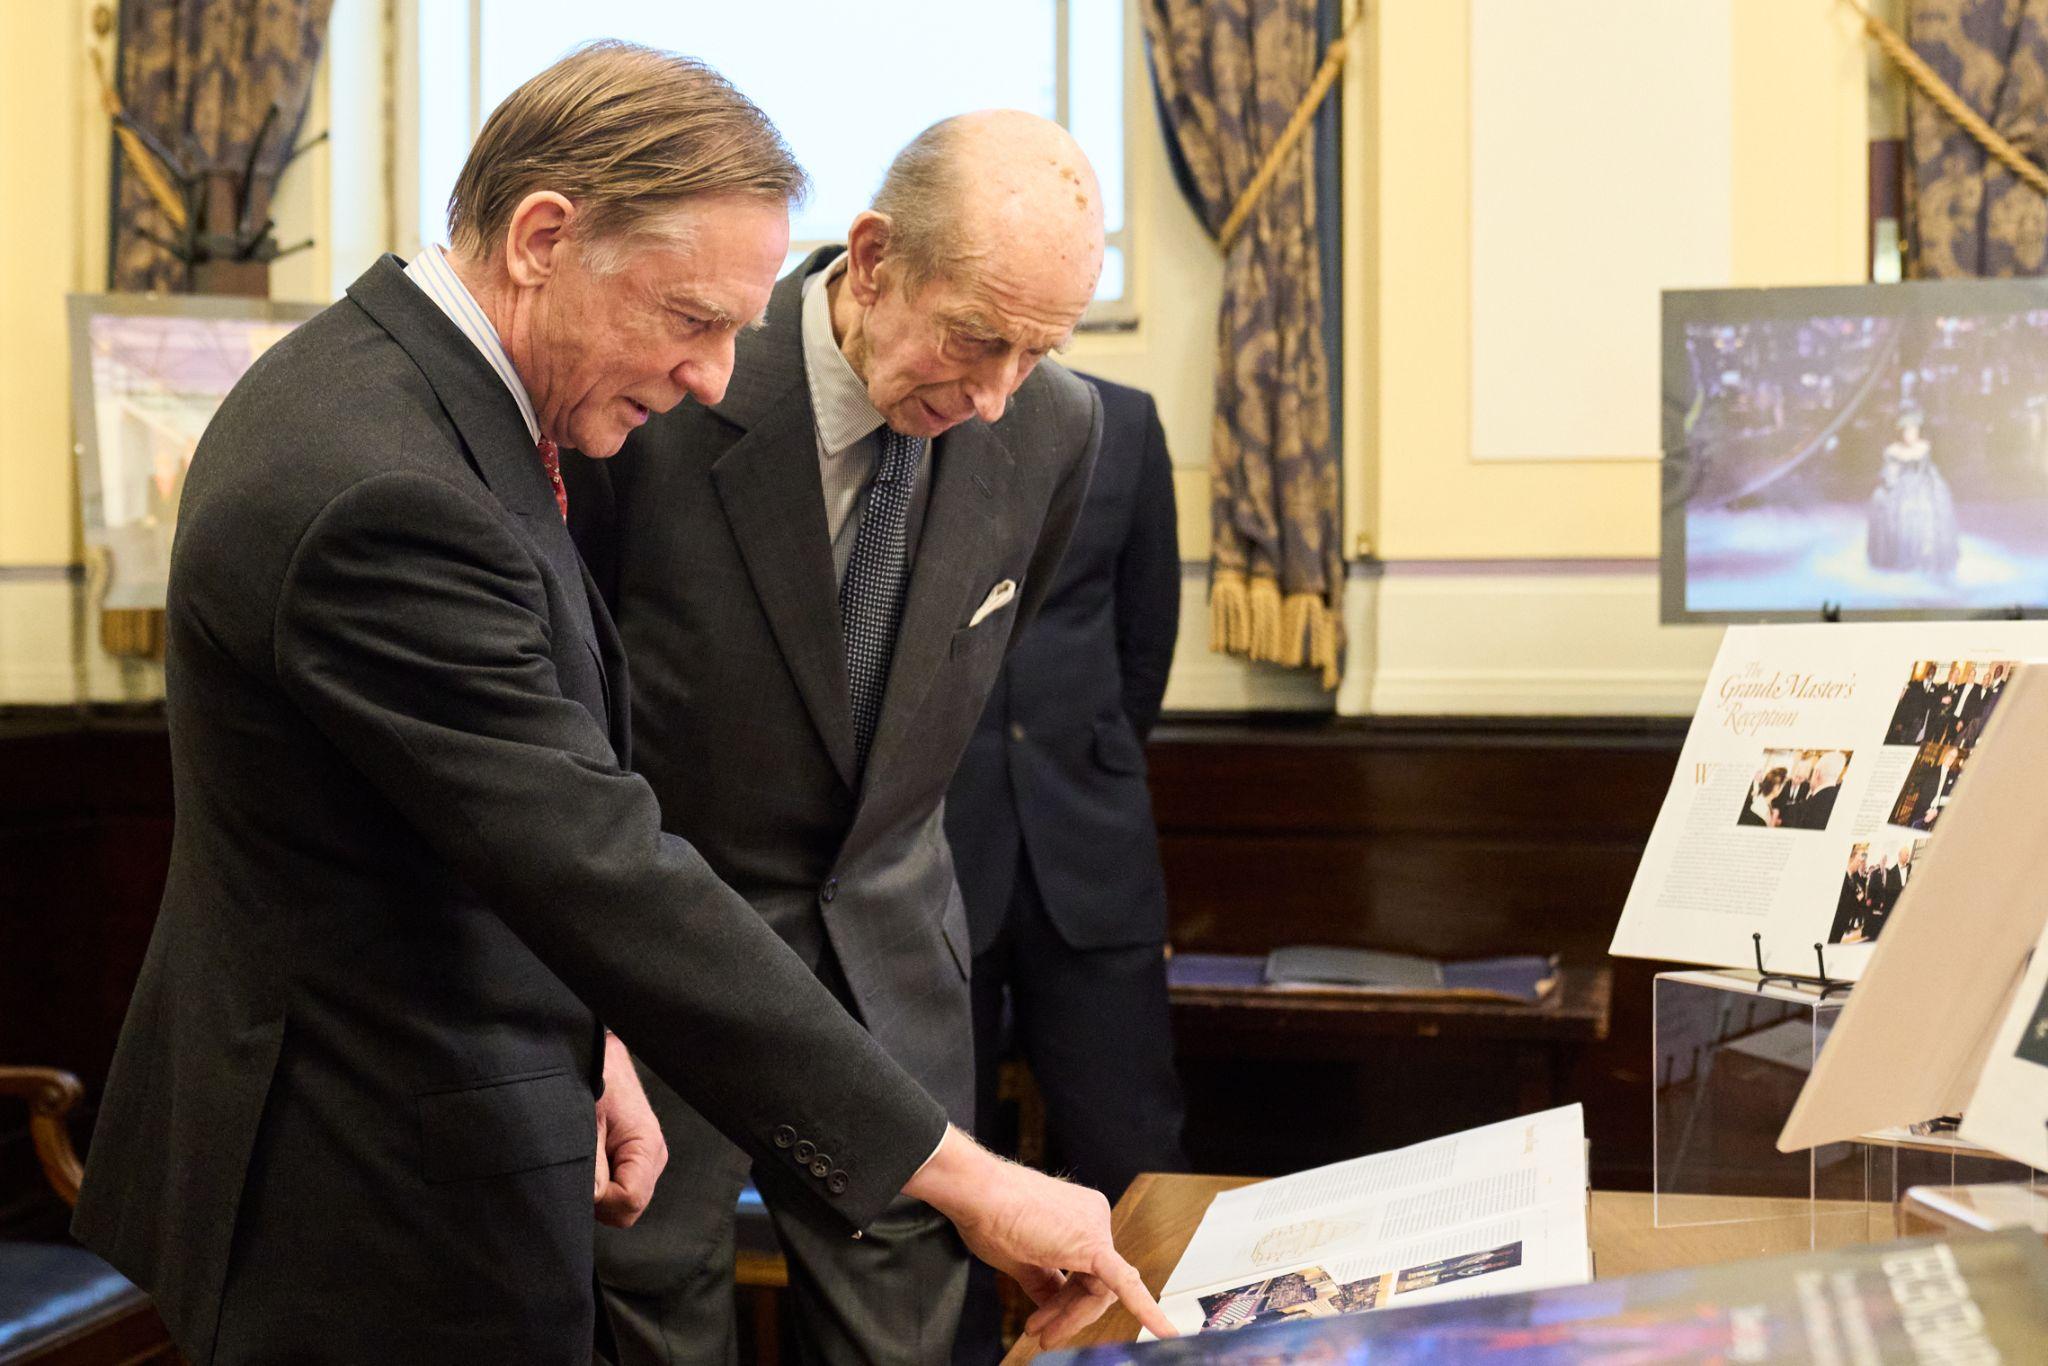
[511,1124]
[971,642]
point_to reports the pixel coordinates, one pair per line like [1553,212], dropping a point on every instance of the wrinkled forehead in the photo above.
[1033,303]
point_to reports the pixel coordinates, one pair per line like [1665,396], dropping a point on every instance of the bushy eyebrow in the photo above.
[700,307]
[983,330]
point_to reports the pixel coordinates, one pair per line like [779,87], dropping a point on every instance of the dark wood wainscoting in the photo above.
[85,841]
[1453,838]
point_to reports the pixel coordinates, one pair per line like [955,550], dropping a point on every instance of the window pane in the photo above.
[1095,99]
[444,135]
[847,87]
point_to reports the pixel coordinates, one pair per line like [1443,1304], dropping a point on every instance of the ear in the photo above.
[536,237]
[867,249]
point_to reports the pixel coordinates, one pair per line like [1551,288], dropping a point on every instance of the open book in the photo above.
[1486,1211]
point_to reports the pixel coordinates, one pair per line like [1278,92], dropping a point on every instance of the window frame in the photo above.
[405,112]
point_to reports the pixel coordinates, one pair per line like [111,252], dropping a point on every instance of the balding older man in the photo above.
[817,579]
[350,1117]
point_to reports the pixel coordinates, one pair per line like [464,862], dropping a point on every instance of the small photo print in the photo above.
[1277,1299]
[1872,887]
[1948,702]
[1930,786]
[1458,1268]
[1795,789]
[2034,1038]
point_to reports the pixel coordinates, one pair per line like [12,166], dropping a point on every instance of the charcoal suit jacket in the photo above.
[709,534]
[350,1116]
[1057,765]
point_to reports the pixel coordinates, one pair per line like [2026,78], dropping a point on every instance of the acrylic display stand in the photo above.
[1731,1052]
[1900,1161]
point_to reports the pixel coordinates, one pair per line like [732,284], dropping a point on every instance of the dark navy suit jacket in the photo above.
[1057,763]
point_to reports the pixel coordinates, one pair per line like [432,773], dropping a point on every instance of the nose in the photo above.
[990,386]
[705,370]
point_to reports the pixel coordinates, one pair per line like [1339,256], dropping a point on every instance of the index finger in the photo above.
[1119,1275]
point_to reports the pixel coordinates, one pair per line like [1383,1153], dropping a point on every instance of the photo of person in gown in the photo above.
[1912,513]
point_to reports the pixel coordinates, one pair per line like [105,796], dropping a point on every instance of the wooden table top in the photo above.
[1155,1220]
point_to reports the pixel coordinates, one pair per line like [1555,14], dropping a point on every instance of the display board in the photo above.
[1812,787]
[148,372]
[1880,450]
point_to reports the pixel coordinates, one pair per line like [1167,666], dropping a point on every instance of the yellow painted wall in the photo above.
[53,177]
[1797,217]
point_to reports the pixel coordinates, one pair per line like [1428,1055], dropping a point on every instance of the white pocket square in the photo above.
[998,598]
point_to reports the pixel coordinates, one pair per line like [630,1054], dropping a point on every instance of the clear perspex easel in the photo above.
[1731,1052]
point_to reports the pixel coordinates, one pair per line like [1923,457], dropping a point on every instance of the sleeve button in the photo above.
[784,1136]
[805,1151]
[821,1165]
[837,1183]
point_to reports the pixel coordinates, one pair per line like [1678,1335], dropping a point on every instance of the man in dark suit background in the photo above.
[350,1118]
[1853,906]
[1052,834]
[800,727]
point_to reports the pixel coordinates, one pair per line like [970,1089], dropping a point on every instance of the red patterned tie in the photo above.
[551,461]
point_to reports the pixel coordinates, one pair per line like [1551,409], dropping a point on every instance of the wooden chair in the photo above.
[59,1304]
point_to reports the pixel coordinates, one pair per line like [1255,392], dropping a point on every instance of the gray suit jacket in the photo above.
[708,534]
[349,1118]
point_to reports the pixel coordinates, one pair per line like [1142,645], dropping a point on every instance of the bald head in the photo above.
[979,257]
[976,186]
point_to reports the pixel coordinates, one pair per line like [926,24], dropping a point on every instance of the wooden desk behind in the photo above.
[1155,1220]
[1539,1042]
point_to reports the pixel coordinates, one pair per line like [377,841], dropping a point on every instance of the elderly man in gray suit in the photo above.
[816,580]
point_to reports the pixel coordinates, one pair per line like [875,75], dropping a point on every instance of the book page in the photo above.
[1811,786]
[2008,1110]
[1487,1211]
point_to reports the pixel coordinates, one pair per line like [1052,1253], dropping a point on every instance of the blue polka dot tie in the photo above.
[871,594]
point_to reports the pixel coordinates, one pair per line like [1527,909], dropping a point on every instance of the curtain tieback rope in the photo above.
[1930,84]
[1297,124]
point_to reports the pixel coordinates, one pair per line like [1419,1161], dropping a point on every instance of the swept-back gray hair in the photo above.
[921,197]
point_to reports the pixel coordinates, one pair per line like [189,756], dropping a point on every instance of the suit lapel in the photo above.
[494,436]
[774,500]
[971,475]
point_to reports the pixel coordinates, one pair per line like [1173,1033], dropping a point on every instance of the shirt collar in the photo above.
[439,282]
[839,399]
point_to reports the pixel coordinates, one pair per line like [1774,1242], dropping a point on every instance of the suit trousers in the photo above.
[892,1295]
[1094,1026]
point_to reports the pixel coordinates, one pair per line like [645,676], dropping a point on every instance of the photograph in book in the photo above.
[1948,703]
[1855,734]
[2033,1044]
[1795,789]
[1929,787]
[1872,886]
[1312,1293]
